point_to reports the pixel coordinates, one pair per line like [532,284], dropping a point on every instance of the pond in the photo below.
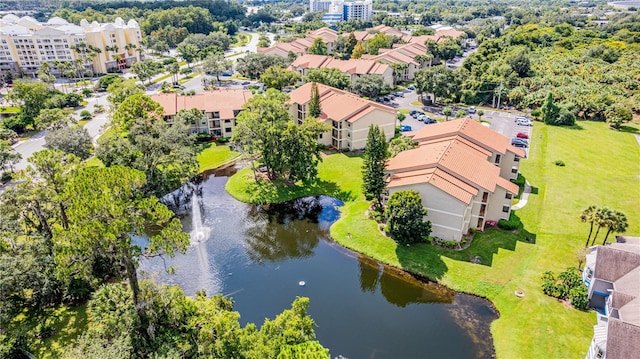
[260,256]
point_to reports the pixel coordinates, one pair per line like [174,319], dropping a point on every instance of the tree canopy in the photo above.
[405,217]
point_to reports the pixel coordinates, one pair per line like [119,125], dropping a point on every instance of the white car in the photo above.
[523,121]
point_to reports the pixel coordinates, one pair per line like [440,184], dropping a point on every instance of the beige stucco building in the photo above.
[462,171]
[26,44]
[348,115]
[219,109]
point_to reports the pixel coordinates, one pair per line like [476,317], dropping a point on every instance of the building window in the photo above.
[320,136]
[227,121]
[505,209]
[216,115]
[497,158]
[514,170]
[516,158]
[227,130]
[508,196]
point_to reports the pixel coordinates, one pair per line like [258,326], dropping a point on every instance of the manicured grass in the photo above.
[416,103]
[68,323]
[535,326]
[212,156]
[93,162]
[331,181]
[9,109]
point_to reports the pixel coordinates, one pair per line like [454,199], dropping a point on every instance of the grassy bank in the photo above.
[534,326]
[211,156]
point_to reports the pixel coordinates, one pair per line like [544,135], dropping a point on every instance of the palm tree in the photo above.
[617,222]
[130,47]
[588,216]
[602,215]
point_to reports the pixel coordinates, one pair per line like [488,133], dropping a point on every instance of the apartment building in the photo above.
[26,44]
[348,115]
[319,5]
[404,54]
[612,275]
[462,170]
[340,10]
[219,109]
[353,67]
[301,46]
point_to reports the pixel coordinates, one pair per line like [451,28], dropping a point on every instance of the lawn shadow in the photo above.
[427,258]
[629,129]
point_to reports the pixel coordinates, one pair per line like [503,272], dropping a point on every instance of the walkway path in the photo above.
[524,197]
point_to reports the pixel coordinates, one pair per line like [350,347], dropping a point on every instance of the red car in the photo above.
[522,135]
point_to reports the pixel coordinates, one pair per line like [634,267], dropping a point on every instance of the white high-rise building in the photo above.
[362,10]
[26,44]
[319,5]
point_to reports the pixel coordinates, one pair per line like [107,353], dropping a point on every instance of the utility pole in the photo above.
[499,93]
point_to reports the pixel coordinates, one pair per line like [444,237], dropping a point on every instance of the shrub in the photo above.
[85,115]
[571,277]
[87,92]
[224,139]
[511,224]
[519,181]
[559,163]
[203,137]
[185,70]
[579,297]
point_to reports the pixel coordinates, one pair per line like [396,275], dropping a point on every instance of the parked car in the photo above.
[227,73]
[405,128]
[416,114]
[429,121]
[523,121]
[398,94]
[411,87]
[471,110]
[179,87]
[245,83]
[522,135]
[519,142]
[386,98]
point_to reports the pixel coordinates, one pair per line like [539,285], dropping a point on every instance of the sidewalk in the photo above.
[523,198]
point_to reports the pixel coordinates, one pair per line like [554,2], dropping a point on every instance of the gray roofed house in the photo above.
[612,274]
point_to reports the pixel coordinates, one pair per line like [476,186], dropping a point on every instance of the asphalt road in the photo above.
[95,127]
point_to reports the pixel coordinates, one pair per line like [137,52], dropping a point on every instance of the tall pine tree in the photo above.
[374,161]
[314,103]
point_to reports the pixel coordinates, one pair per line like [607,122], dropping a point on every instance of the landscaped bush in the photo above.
[567,285]
[85,115]
[511,224]
[224,139]
[579,297]
[519,181]
[559,163]
[203,137]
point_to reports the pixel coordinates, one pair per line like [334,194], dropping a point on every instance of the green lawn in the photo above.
[212,156]
[535,326]
[9,109]
[68,323]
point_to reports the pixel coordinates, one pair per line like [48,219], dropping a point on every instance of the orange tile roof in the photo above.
[223,101]
[438,178]
[472,131]
[459,158]
[352,66]
[336,104]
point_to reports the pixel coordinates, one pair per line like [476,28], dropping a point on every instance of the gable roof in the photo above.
[471,131]
[456,157]
[336,104]
[352,66]
[623,340]
[612,263]
[223,101]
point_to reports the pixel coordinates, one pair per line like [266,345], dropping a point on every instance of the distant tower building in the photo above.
[343,10]
[362,10]
[319,5]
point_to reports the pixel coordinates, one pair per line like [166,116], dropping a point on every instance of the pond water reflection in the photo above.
[259,254]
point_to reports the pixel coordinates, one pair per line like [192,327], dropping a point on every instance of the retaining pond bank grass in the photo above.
[211,156]
[534,326]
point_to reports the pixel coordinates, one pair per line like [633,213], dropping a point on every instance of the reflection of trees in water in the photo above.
[398,287]
[285,230]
